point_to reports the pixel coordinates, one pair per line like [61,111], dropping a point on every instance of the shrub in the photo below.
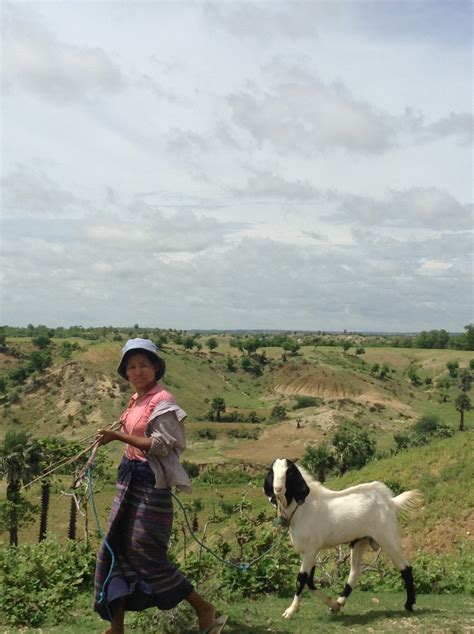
[306,401]
[209,434]
[278,412]
[39,581]
[191,468]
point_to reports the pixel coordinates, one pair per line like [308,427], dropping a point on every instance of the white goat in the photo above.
[319,518]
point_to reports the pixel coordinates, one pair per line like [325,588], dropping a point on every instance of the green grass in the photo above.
[365,612]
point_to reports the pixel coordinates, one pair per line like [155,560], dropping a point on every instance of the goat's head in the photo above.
[284,483]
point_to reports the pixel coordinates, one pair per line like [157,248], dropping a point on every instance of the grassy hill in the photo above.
[75,396]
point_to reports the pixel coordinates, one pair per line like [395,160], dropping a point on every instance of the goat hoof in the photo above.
[409,607]
[287,614]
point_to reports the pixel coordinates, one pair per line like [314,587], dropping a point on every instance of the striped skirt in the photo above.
[132,563]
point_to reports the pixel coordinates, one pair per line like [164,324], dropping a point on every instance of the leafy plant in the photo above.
[39,581]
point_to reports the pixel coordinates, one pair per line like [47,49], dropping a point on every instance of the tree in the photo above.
[41,341]
[278,412]
[218,407]
[212,343]
[53,449]
[319,461]
[40,359]
[462,404]
[251,345]
[346,345]
[230,364]
[428,427]
[188,342]
[469,337]
[413,376]
[453,367]
[465,380]
[291,346]
[20,458]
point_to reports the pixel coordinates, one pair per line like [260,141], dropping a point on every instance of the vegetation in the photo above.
[392,415]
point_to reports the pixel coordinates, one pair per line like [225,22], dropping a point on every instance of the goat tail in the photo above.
[408,502]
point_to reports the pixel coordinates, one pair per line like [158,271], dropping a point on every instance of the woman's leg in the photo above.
[205,612]
[117,626]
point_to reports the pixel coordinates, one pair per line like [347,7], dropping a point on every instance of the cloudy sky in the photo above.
[238,164]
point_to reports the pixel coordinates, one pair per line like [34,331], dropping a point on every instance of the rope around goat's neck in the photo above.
[285,521]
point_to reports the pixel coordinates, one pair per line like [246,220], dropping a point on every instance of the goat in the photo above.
[361,515]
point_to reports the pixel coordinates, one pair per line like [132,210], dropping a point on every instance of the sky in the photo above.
[238,165]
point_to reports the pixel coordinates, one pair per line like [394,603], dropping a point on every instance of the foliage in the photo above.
[41,341]
[462,404]
[210,434]
[319,461]
[453,367]
[212,343]
[39,581]
[191,468]
[20,458]
[278,412]
[217,408]
[465,380]
[227,476]
[251,434]
[422,432]
[306,401]
[230,364]
[433,574]
[432,339]
[352,448]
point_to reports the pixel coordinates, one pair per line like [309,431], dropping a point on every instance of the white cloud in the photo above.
[307,116]
[30,191]
[429,208]
[236,165]
[37,61]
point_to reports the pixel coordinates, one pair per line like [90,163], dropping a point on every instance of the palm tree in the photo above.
[20,459]
[319,461]
[53,450]
[462,404]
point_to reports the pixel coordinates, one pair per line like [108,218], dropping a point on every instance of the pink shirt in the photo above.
[135,418]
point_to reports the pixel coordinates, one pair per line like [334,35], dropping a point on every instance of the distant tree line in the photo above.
[251,342]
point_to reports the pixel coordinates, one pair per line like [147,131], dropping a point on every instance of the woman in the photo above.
[133,571]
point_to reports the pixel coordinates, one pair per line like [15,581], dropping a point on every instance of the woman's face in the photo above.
[140,371]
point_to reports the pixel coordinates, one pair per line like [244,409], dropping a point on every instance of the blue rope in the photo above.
[102,594]
[242,567]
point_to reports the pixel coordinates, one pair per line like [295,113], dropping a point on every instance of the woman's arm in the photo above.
[104,436]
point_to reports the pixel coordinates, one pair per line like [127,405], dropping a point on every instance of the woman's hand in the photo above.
[104,436]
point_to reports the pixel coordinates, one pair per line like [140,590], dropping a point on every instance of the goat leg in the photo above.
[324,598]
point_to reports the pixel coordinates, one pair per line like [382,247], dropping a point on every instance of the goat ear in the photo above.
[301,489]
[268,487]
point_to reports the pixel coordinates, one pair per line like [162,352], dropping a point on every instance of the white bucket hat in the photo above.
[141,344]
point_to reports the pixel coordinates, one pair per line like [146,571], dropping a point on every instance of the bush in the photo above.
[191,468]
[40,581]
[278,412]
[306,401]
[209,434]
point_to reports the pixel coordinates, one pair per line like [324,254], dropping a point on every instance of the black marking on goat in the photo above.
[268,487]
[359,539]
[310,582]
[346,592]
[296,487]
[407,576]
[301,581]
